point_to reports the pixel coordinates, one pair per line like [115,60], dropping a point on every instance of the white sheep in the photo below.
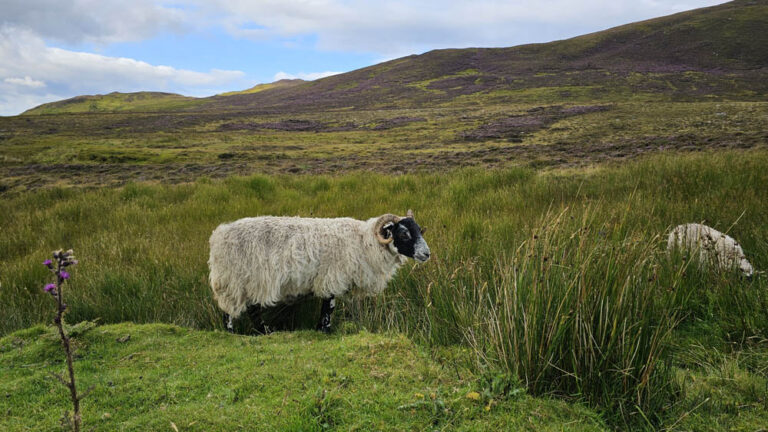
[712,246]
[261,261]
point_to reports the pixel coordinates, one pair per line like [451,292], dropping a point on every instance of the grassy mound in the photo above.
[302,381]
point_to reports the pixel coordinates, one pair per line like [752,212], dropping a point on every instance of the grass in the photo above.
[165,375]
[556,278]
[116,102]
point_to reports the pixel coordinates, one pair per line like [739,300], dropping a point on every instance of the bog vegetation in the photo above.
[559,279]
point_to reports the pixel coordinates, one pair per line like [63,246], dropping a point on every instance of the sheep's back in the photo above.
[265,259]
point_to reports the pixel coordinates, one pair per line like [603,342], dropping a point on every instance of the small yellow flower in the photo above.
[473,395]
[418,396]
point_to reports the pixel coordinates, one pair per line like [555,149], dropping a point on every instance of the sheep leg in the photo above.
[228,322]
[254,312]
[329,305]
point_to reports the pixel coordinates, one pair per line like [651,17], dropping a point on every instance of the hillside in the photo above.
[116,102]
[719,52]
[283,83]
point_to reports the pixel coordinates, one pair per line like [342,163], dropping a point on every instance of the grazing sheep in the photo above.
[713,246]
[261,261]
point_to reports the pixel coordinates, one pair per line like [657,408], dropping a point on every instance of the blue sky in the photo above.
[56,49]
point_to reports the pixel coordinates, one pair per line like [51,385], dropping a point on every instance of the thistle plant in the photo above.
[61,261]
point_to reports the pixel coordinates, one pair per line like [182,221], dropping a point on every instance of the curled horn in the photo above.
[383,220]
[409,214]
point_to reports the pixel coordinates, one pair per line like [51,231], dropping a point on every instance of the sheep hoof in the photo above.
[323,328]
[228,324]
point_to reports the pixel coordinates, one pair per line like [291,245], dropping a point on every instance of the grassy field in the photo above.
[301,381]
[557,278]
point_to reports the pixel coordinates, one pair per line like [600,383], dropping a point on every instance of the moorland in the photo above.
[547,175]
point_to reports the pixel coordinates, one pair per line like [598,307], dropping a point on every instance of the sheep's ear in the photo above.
[423,230]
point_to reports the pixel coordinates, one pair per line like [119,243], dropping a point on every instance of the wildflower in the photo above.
[473,395]
[50,287]
[63,275]
[48,263]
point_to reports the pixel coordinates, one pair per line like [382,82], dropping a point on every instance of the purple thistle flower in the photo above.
[63,275]
[47,263]
[50,287]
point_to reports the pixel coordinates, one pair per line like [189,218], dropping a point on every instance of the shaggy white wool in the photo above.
[711,246]
[266,260]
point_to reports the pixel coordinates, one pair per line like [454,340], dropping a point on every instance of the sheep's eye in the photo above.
[405,235]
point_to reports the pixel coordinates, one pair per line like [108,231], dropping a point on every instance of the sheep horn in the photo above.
[383,220]
[409,214]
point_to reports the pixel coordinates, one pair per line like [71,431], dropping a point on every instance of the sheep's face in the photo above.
[407,239]
[746,267]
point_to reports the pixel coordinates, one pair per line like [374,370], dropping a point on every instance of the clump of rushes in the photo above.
[57,266]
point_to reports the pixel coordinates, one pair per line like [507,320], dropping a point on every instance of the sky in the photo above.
[56,49]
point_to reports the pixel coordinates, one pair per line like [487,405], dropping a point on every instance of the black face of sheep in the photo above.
[407,239]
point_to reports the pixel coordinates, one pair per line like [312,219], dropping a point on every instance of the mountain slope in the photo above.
[283,83]
[719,52]
[116,102]
[700,45]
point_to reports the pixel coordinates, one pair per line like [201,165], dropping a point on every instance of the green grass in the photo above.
[117,102]
[557,278]
[267,86]
[300,381]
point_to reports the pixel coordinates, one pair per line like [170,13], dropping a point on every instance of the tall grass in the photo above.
[557,278]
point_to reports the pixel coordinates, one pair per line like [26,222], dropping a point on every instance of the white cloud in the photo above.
[310,76]
[53,73]
[394,28]
[26,82]
[95,21]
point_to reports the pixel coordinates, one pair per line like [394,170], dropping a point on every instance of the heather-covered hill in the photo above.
[715,52]
[718,53]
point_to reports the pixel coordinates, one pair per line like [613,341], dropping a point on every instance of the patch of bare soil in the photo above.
[303,125]
[515,127]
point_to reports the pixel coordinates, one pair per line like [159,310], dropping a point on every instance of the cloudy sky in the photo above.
[56,49]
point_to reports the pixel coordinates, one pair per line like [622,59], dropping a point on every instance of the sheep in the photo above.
[713,246]
[261,261]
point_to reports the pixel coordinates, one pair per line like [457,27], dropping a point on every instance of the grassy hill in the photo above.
[115,102]
[284,83]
